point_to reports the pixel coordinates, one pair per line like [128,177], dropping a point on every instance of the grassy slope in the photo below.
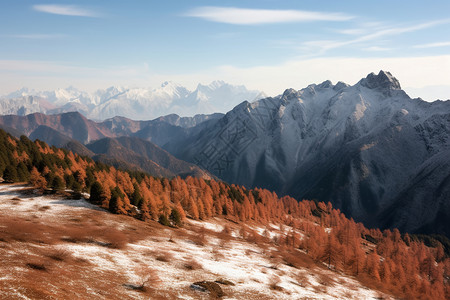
[56,248]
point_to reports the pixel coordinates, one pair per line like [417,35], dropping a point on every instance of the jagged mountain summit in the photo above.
[134,103]
[371,150]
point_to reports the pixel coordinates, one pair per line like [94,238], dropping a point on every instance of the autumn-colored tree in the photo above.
[193,209]
[372,265]
[331,252]
[357,257]
[37,180]
[116,203]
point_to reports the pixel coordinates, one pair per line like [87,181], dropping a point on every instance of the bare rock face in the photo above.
[371,150]
[384,80]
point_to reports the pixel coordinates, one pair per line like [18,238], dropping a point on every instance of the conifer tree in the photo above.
[175,217]
[57,184]
[96,193]
[10,174]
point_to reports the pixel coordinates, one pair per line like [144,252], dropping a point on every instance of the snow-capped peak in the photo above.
[166,83]
[20,93]
[217,84]
[384,80]
[142,103]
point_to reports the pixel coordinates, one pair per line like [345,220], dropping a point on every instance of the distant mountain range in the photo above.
[108,142]
[134,103]
[375,153]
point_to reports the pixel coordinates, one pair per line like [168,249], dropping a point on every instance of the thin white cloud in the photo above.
[401,30]
[433,45]
[376,49]
[246,16]
[352,31]
[66,10]
[322,46]
[36,36]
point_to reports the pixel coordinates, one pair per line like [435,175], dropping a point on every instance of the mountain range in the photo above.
[134,103]
[369,149]
[108,141]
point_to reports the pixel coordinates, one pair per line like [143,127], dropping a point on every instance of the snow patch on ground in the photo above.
[247,265]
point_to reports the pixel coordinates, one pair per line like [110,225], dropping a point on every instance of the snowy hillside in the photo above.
[57,248]
[134,103]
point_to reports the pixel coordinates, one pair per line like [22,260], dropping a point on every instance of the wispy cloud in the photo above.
[36,36]
[433,45]
[376,49]
[401,30]
[380,33]
[352,31]
[246,16]
[66,10]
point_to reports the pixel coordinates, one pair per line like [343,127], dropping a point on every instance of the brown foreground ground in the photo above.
[54,248]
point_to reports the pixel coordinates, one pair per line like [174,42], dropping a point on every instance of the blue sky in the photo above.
[266,44]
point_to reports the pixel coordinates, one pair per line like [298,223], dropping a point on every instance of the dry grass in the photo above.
[114,238]
[252,236]
[44,208]
[325,279]
[75,234]
[148,278]
[198,237]
[100,235]
[43,269]
[297,259]
[224,236]
[320,289]
[22,230]
[347,295]
[192,264]
[274,282]
[59,255]
[302,279]
[164,256]
[217,254]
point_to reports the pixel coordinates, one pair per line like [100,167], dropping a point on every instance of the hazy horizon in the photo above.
[267,46]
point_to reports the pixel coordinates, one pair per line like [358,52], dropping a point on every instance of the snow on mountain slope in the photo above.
[66,248]
[356,146]
[23,105]
[134,103]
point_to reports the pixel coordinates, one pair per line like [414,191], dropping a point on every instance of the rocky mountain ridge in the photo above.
[375,153]
[361,147]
